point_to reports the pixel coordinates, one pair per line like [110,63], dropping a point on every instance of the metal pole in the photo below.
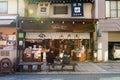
[17,2]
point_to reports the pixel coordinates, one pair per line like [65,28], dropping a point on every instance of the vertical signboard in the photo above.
[77,9]
[21,37]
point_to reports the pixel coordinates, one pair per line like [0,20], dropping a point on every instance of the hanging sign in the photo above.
[20,35]
[77,9]
[57,35]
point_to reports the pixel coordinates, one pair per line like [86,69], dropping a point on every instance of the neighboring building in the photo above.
[55,23]
[8,48]
[108,28]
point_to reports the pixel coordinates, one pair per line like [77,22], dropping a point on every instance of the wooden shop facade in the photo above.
[61,25]
[75,35]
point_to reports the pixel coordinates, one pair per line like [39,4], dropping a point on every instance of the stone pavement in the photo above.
[85,68]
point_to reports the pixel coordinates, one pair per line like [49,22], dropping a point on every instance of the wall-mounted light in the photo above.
[83,22]
[63,1]
[63,22]
[41,21]
[52,22]
[73,22]
[22,21]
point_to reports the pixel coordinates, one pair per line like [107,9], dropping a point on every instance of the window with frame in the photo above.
[60,10]
[43,9]
[113,9]
[3,7]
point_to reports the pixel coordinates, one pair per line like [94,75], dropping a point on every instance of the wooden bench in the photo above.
[51,67]
[30,65]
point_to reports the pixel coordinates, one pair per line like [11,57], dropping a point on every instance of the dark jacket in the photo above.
[50,57]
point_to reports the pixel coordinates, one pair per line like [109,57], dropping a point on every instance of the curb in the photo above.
[59,73]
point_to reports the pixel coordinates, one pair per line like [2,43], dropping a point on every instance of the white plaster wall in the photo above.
[96,8]
[21,7]
[105,46]
[102,53]
[100,9]
[87,11]
[36,12]
[99,51]
[12,6]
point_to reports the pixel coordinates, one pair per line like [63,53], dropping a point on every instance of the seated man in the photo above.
[50,56]
[66,58]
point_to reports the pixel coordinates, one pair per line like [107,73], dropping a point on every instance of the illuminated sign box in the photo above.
[20,35]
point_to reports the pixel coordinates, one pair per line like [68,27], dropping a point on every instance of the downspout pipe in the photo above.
[17,26]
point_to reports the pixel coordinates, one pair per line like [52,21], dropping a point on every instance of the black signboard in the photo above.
[77,9]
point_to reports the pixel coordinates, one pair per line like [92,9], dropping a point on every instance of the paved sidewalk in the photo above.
[85,68]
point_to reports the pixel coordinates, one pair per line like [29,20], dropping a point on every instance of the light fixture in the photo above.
[73,22]
[41,21]
[63,1]
[63,22]
[52,22]
[22,21]
[83,22]
[30,20]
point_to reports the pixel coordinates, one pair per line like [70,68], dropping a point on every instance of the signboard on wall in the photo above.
[77,9]
[57,35]
[21,35]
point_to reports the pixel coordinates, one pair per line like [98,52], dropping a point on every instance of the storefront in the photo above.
[73,35]
[8,49]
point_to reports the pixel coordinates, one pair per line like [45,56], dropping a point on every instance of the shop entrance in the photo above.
[77,48]
[77,45]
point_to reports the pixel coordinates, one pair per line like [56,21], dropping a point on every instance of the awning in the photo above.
[7,23]
[8,20]
[58,25]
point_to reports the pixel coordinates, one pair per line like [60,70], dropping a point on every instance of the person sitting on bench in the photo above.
[50,56]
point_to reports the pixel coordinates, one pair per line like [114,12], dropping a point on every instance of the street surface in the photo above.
[60,77]
[84,71]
